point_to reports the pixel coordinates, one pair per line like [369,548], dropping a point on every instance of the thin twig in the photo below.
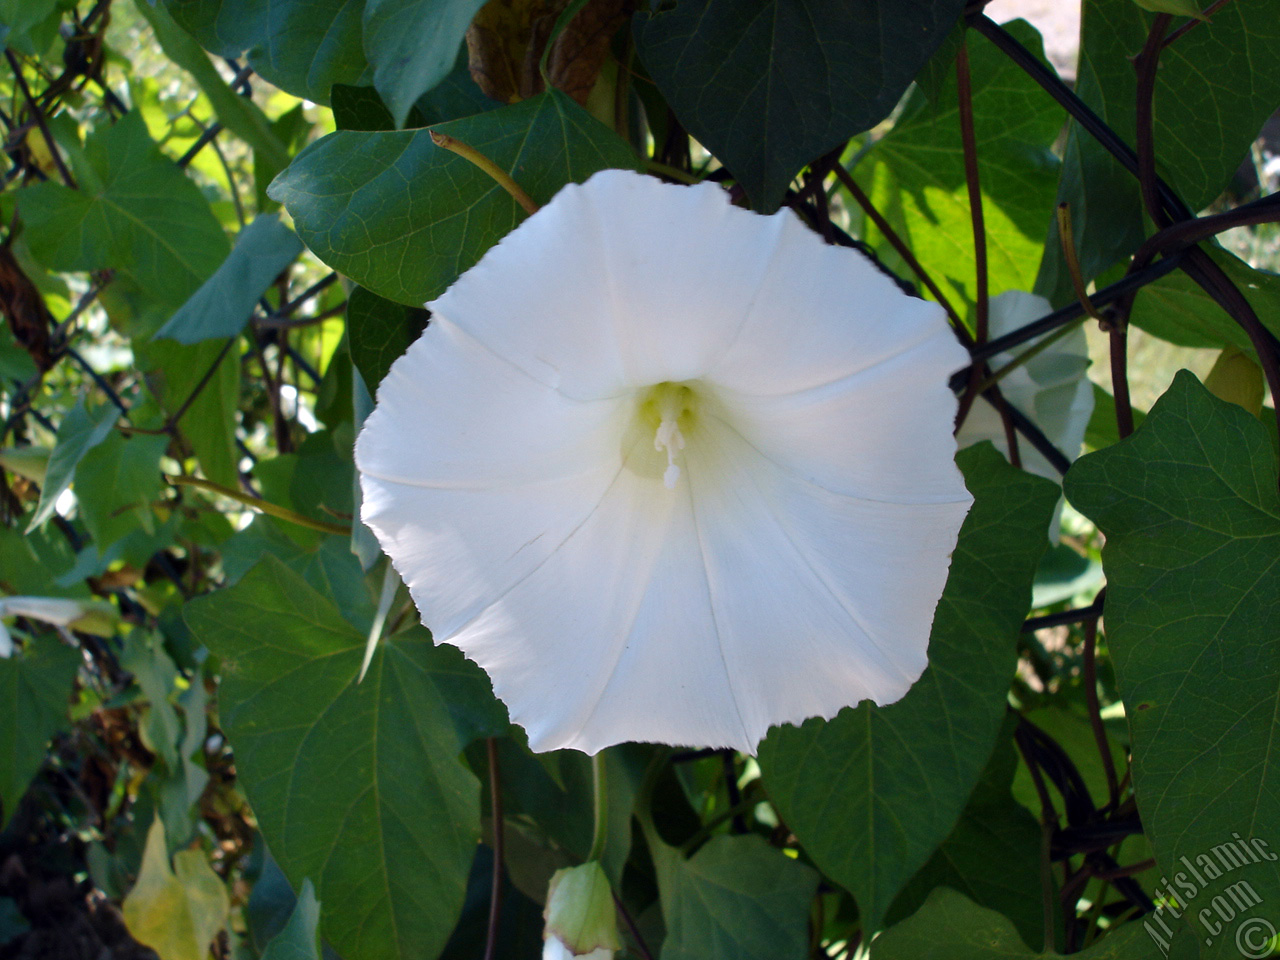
[204,382]
[101,382]
[895,241]
[636,938]
[1078,615]
[1192,23]
[969,143]
[1095,709]
[1119,343]
[495,814]
[203,141]
[1145,65]
[1068,313]
[38,115]
[257,503]
[292,306]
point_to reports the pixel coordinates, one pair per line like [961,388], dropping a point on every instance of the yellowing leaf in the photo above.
[177,912]
[1237,378]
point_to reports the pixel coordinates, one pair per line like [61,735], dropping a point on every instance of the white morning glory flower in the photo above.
[1051,389]
[671,471]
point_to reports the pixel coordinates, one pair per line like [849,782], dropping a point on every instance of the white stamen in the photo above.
[669,437]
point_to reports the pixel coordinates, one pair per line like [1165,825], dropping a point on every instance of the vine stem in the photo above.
[1199,266]
[1195,262]
[1048,824]
[257,503]
[1095,709]
[600,789]
[895,241]
[1191,24]
[1145,65]
[495,814]
[969,143]
[38,115]
[500,176]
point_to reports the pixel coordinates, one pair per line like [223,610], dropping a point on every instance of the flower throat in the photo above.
[668,408]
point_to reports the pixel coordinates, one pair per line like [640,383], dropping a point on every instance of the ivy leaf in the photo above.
[873,792]
[993,827]
[115,484]
[223,304]
[300,938]
[769,85]
[302,46]
[379,331]
[735,899]
[358,786]
[79,432]
[951,927]
[367,203]
[1177,309]
[34,687]
[927,200]
[209,423]
[412,45]
[28,25]
[1191,512]
[139,214]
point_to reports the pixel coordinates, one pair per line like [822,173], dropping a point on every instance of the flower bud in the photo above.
[581,918]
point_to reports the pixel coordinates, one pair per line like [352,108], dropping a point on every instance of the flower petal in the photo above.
[472,472]
[821,600]
[880,433]
[637,301]
[612,638]
[451,413]
[822,313]
[1051,388]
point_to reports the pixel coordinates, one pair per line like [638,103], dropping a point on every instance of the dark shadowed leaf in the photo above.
[302,46]
[993,827]
[412,46]
[1191,512]
[300,938]
[769,85]
[951,927]
[34,688]
[379,331]
[735,899]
